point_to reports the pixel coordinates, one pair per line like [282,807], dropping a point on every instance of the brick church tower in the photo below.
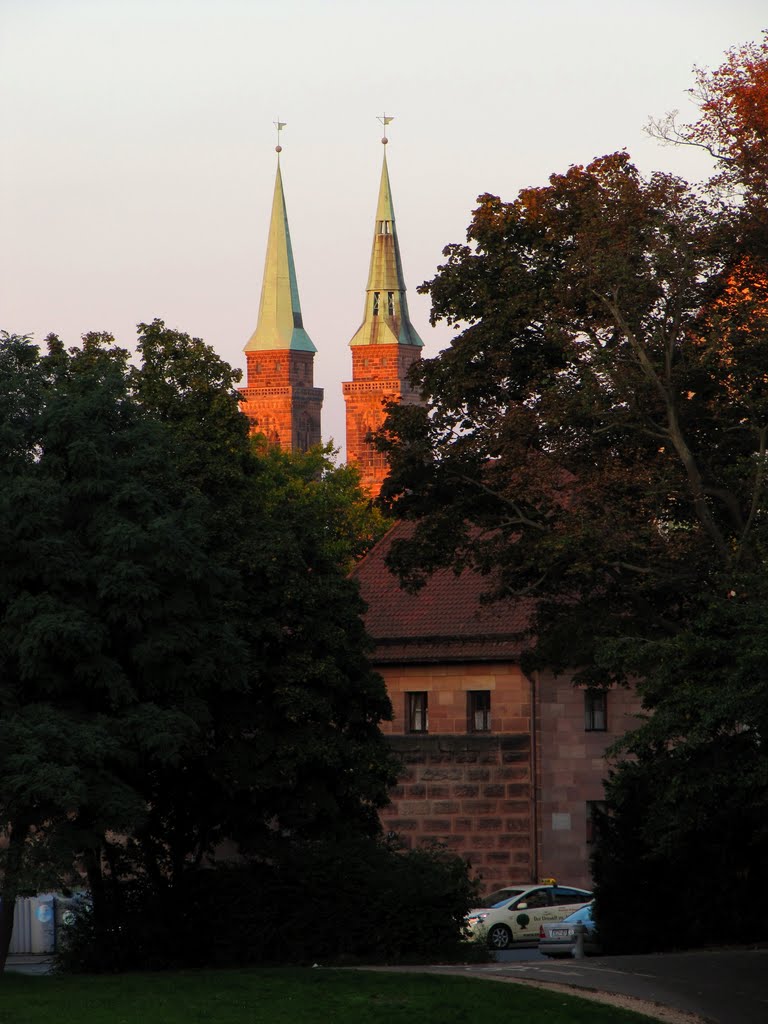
[280,398]
[384,347]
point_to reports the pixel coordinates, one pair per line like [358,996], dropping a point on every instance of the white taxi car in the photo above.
[515,913]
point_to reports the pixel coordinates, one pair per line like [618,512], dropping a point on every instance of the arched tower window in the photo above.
[304,432]
[267,426]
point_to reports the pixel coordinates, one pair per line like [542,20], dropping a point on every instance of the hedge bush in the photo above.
[353,901]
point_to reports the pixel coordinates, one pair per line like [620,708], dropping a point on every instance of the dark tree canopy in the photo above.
[182,657]
[594,438]
[600,445]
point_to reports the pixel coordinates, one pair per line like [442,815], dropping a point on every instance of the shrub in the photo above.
[352,901]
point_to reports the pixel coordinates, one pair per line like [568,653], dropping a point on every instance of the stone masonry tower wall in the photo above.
[379,376]
[280,400]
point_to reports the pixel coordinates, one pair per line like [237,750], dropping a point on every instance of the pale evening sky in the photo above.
[138,144]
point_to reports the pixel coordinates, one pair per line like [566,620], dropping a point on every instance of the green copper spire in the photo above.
[385,319]
[280,325]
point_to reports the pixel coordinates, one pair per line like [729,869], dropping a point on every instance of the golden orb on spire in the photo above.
[279,125]
[385,120]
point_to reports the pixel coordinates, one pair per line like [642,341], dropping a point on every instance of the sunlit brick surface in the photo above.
[280,399]
[379,376]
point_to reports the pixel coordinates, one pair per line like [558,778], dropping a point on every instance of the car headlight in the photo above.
[476,918]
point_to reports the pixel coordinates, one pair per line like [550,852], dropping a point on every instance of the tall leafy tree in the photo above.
[298,752]
[110,621]
[575,437]
[595,439]
[182,658]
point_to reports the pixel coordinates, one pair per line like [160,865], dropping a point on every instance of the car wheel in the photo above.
[499,937]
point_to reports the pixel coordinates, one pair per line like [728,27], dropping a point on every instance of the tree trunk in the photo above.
[14,860]
[92,861]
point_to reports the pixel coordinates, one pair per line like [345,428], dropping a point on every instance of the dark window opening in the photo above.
[416,717]
[595,710]
[479,710]
[375,303]
[391,303]
[537,898]
[565,897]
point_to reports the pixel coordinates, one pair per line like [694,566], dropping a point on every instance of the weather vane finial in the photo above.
[385,120]
[279,125]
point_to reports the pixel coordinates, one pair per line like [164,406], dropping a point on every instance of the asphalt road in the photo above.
[723,986]
[28,963]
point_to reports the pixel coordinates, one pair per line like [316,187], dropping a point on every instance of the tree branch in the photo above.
[674,431]
[756,492]
[521,519]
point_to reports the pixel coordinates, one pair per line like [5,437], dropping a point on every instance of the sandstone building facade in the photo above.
[501,767]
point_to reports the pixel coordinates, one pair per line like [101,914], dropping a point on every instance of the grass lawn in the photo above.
[288,996]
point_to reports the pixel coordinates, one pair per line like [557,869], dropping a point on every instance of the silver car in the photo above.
[558,938]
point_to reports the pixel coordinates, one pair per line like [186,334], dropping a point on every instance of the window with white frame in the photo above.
[595,710]
[416,712]
[479,710]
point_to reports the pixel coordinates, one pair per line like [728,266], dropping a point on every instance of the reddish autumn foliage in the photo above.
[733,128]
[734,331]
[734,116]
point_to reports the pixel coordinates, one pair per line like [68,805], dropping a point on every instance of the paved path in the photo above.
[29,963]
[725,987]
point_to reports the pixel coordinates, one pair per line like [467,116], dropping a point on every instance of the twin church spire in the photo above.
[385,320]
[280,324]
[280,398]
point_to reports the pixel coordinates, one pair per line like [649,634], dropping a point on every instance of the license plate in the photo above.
[559,933]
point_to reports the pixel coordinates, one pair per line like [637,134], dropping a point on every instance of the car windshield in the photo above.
[582,914]
[495,899]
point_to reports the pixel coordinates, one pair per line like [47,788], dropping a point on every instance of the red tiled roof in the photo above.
[444,621]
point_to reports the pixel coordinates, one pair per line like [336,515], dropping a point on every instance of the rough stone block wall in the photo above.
[279,368]
[470,793]
[288,416]
[378,373]
[280,400]
[382,362]
[570,769]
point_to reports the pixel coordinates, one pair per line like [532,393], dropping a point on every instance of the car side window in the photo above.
[564,896]
[537,898]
